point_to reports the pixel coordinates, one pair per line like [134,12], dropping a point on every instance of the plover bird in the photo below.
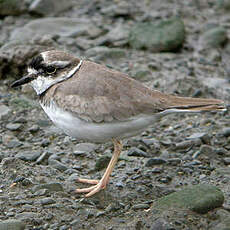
[93,103]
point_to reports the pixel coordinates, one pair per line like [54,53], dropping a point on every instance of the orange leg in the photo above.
[101,184]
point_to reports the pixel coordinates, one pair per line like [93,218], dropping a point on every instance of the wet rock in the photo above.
[84,148]
[14,144]
[187,144]
[14,126]
[226,160]
[12,224]
[28,155]
[102,162]
[49,7]
[205,137]
[12,7]
[140,206]
[34,129]
[51,187]
[4,110]
[47,201]
[225,132]
[155,161]
[136,152]
[166,35]
[207,150]
[214,37]
[73,177]
[63,27]
[198,198]
[57,164]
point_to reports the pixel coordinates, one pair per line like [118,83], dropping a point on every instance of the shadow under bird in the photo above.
[93,103]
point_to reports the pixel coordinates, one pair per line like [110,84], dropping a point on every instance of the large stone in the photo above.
[12,224]
[198,198]
[4,110]
[213,37]
[49,7]
[167,35]
[63,27]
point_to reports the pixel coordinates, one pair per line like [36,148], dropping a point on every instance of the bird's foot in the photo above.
[98,185]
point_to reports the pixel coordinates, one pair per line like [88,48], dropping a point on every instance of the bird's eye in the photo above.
[50,70]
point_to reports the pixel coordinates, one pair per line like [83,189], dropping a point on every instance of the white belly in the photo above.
[96,132]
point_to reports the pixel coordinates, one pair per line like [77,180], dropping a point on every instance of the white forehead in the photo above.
[32,70]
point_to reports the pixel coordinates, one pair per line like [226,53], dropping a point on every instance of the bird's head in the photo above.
[49,68]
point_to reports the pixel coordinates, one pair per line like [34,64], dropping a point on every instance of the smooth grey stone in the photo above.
[155,161]
[102,162]
[49,7]
[14,144]
[47,201]
[214,37]
[166,35]
[140,206]
[28,155]
[12,224]
[226,160]
[225,132]
[198,198]
[61,26]
[57,164]
[4,110]
[14,126]
[135,152]
[83,148]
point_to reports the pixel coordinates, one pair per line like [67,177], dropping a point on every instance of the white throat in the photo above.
[41,83]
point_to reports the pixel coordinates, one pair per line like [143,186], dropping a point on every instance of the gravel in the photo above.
[180,156]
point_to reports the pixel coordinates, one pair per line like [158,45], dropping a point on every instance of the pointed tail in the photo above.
[187,104]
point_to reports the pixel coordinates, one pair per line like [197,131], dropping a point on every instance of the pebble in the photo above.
[187,144]
[226,160]
[207,150]
[57,164]
[14,144]
[225,132]
[155,161]
[140,206]
[136,152]
[102,162]
[82,149]
[46,201]
[28,155]
[34,129]
[14,126]
[4,111]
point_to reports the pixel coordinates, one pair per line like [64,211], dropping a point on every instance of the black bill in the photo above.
[26,79]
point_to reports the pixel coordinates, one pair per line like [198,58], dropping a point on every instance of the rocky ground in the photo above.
[175,175]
